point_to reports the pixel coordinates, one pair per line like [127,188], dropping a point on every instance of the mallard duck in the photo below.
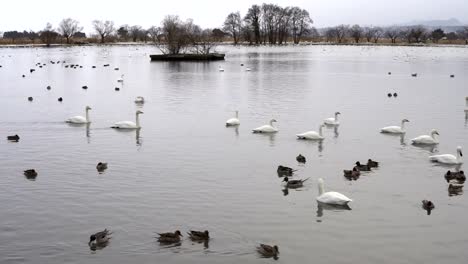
[31,173]
[372,163]
[361,167]
[117,88]
[32,70]
[169,237]
[294,183]
[99,238]
[301,159]
[452,75]
[427,205]
[414,75]
[395,94]
[60,99]
[84,87]
[285,170]
[353,174]
[456,175]
[13,138]
[30,98]
[389,94]
[199,235]
[268,251]
[48,87]
[101,166]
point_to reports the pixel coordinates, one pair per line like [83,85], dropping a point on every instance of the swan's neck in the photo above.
[321,189]
[320,130]
[402,125]
[458,155]
[87,115]
[336,117]
[433,135]
[271,123]
[137,120]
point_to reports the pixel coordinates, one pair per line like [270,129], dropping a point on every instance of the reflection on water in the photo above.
[321,207]
[429,148]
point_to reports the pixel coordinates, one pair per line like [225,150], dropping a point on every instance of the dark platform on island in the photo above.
[188,57]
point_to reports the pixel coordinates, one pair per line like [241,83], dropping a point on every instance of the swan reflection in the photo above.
[330,207]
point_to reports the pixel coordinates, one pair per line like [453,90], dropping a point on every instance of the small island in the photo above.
[187,57]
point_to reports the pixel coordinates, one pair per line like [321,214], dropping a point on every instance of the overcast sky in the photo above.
[34,14]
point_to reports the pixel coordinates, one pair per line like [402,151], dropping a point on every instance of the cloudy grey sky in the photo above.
[34,14]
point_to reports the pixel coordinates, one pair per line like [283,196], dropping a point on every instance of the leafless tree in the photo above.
[204,41]
[392,33]
[48,35]
[356,33]
[252,21]
[283,24]
[405,33]
[68,27]
[378,33]
[463,34]
[300,23]
[417,33]
[122,32]
[135,32]
[330,34]
[340,32]
[233,25]
[155,34]
[176,35]
[104,29]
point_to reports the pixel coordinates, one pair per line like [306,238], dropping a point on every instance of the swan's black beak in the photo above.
[461,154]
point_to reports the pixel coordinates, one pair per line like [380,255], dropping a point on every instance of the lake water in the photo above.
[185,170]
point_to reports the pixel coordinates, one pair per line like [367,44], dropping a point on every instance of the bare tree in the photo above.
[68,27]
[48,35]
[175,33]
[155,34]
[463,34]
[300,23]
[104,29]
[437,35]
[417,33]
[356,33]
[406,34]
[330,34]
[135,32]
[340,32]
[204,41]
[378,33]
[392,33]
[233,25]
[252,21]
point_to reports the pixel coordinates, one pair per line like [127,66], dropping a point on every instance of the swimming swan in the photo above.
[80,119]
[129,124]
[312,135]
[331,197]
[426,139]
[332,121]
[448,158]
[266,128]
[395,129]
[233,121]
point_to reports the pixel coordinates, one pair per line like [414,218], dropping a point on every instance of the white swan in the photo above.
[332,121]
[331,197]
[121,79]
[312,135]
[129,124]
[266,128]
[448,158]
[220,68]
[395,129]
[80,119]
[233,121]
[426,139]
[139,100]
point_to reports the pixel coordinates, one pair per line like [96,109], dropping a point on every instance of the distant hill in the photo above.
[452,22]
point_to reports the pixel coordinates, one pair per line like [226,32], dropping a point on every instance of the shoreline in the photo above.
[302,44]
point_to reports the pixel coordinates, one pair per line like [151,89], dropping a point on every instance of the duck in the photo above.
[233,121]
[395,129]
[395,94]
[129,124]
[461,178]
[33,70]
[266,128]
[448,158]
[426,139]
[101,166]
[199,235]
[285,170]
[301,158]
[334,198]
[372,163]
[84,87]
[332,121]
[139,100]
[48,87]
[31,173]
[116,69]
[30,99]
[452,75]
[362,167]
[312,135]
[169,237]
[389,94]
[414,75]
[268,251]
[80,119]
[23,76]
[13,138]
[389,73]
[121,79]
[117,88]
[354,173]
[60,99]
[220,68]
[294,183]
[100,238]
[428,206]
[449,175]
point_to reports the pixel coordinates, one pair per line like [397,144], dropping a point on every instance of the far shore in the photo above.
[239,44]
